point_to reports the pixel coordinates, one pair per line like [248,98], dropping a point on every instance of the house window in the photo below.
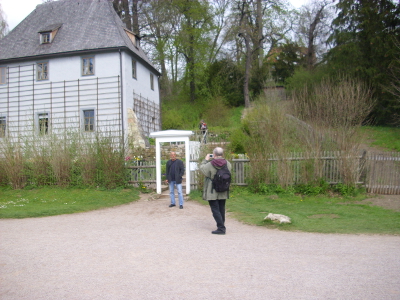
[134,68]
[3,122]
[45,37]
[42,70]
[88,120]
[3,75]
[48,33]
[43,119]
[88,66]
[152,81]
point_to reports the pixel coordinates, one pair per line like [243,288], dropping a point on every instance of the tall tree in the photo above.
[261,26]
[160,22]
[364,38]
[123,10]
[286,59]
[314,28]
[192,40]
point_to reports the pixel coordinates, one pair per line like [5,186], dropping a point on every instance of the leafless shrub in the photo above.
[343,103]
[61,163]
[334,110]
[286,149]
[88,168]
[3,174]
[110,161]
[37,165]
[13,164]
[272,138]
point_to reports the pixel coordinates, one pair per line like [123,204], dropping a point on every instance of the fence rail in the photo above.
[142,172]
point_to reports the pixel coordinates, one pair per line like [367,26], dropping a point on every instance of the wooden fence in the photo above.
[378,172]
[382,173]
[143,172]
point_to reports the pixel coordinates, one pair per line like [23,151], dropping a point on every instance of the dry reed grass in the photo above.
[63,160]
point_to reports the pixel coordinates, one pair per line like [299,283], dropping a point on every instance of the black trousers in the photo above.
[218,211]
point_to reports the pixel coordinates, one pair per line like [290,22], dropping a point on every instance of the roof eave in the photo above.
[77,52]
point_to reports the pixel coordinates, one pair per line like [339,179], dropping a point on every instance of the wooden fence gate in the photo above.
[382,173]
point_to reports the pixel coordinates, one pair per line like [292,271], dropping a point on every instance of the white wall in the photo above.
[24,97]
[140,85]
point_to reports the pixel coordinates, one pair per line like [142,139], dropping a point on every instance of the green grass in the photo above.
[309,214]
[321,213]
[50,201]
[385,137]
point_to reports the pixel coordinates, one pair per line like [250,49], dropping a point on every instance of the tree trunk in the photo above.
[127,15]
[191,67]
[311,36]
[135,18]
[260,34]
[247,71]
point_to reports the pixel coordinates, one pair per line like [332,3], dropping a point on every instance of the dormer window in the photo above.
[48,33]
[134,39]
[45,38]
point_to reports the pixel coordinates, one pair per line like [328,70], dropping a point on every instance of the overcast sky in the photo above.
[17,10]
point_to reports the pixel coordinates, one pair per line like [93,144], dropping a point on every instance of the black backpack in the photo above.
[222,179]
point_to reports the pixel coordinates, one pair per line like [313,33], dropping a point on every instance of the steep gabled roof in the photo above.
[82,26]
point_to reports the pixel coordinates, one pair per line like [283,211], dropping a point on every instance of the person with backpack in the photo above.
[217,172]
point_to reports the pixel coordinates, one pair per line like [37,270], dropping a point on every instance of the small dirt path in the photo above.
[386,201]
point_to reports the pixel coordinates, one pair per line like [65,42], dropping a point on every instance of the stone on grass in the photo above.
[278,217]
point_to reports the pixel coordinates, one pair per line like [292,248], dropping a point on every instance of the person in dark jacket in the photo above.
[175,171]
[216,200]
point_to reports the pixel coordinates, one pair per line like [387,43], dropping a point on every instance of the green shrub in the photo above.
[237,141]
[345,190]
[312,189]
[172,119]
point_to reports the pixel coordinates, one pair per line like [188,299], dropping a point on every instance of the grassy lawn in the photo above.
[384,137]
[308,213]
[311,213]
[50,201]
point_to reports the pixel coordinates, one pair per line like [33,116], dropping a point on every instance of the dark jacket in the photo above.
[179,170]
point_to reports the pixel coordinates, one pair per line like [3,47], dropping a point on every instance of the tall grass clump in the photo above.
[13,164]
[110,162]
[38,162]
[87,165]
[286,141]
[66,160]
[3,175]
[61,163]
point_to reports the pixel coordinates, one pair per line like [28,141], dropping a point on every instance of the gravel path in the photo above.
[145,250]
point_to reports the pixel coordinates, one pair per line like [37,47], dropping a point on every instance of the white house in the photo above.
[73,65]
